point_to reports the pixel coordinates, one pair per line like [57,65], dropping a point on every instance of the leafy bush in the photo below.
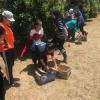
[26,11]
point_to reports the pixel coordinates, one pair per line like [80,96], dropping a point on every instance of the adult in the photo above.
[6,22]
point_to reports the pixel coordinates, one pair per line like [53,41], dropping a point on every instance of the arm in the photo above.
[44,64]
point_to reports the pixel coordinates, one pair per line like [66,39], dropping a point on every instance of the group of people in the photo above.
[65,28]
[74,21]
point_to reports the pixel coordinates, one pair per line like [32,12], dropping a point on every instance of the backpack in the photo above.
[44,78]
[39,47]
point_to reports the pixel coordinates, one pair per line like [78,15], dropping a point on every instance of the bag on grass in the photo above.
[45,77]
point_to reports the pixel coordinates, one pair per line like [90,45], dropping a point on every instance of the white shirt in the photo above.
[33,32]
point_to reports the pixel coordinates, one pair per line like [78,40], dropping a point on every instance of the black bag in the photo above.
[44,78]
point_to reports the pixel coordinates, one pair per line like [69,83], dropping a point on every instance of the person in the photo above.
[41,51]
[60,34]
[6,22]
[67,16]
[81,21]
[2,91]
[39,54]
[36,35]
[72,13]
[72,28]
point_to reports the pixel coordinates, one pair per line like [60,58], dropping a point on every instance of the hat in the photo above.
[8,15]
[71,10]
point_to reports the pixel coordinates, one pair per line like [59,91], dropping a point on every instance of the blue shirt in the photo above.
[80,17]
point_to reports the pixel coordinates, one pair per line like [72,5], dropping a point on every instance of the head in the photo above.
[7,17]
[38,25]
[66,13]
[71,11]
[1,34]
[76,9]
[56,14]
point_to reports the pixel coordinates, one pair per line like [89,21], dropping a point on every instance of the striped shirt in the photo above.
[59,28]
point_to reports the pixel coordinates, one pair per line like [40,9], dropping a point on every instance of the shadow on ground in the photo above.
[30,69]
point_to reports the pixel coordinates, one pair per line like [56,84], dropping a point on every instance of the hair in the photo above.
[37,22]
[1,31]
[57,14]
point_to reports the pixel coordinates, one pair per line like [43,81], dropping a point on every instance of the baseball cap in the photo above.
[71,10]
[8,15]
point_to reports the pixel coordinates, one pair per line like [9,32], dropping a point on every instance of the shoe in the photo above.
[64,61]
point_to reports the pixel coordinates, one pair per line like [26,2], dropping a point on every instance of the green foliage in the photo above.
[86,8]
[26,11]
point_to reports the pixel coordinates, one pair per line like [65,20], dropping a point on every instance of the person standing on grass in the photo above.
[6,22]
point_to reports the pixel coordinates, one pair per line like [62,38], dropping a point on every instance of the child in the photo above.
[67,16]
[71,27]
[41,51]
[36,35]
[60,34]
[50,52]
[39,54]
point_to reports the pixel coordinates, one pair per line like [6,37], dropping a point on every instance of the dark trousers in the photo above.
[2,90]
[36,58]
[71,34]
[9,54]
[60,45]
[81,26]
